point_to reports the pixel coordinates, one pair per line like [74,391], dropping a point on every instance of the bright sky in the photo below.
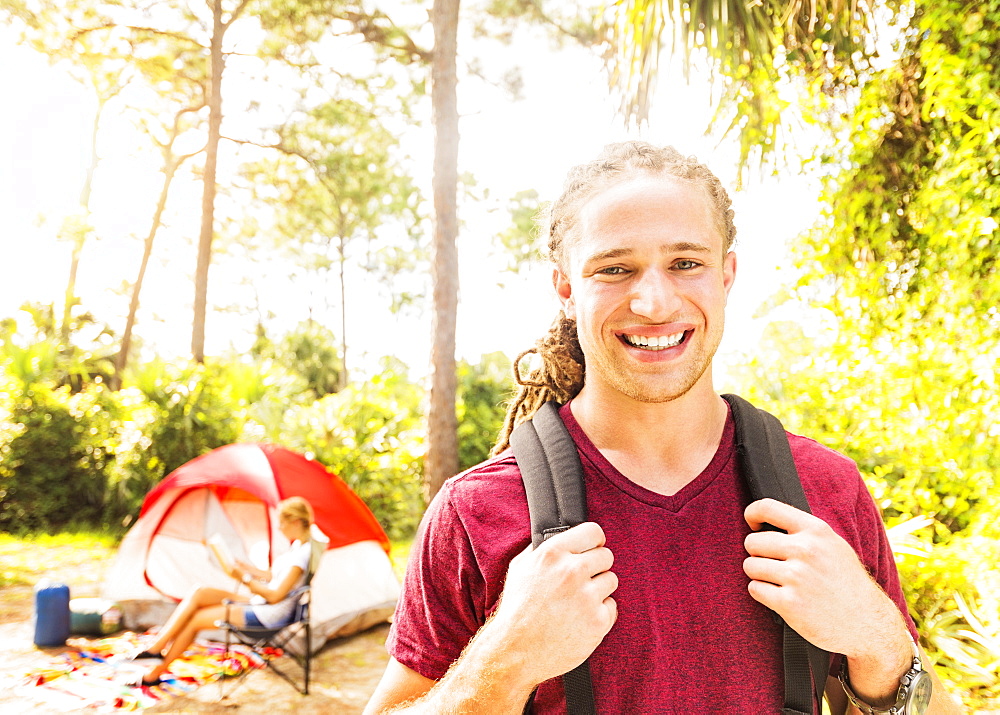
[566,118]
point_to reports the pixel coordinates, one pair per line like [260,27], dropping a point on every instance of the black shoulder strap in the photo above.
[551,471]
[553,480]
[766,462]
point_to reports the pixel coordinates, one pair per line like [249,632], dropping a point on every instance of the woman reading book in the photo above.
[266,607]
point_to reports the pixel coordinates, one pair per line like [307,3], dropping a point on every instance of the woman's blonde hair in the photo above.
[296,508]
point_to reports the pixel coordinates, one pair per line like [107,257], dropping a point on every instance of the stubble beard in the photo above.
[654,388]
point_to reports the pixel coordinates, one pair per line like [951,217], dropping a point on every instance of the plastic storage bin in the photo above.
[51,617]
[94,617]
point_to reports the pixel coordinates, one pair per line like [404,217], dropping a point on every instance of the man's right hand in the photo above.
[556,605]
[555,609]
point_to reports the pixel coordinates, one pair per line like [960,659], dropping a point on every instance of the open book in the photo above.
[221,551]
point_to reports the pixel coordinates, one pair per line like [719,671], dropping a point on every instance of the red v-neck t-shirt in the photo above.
[689,638]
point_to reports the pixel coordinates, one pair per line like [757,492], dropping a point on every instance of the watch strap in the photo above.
[898,707]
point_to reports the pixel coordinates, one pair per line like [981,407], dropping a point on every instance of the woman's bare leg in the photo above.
[202,619]
[199,598]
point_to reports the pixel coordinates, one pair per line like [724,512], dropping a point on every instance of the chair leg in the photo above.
[304,662]
[225,658]
[307,661]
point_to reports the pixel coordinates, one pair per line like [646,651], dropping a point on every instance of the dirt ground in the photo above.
[344,675]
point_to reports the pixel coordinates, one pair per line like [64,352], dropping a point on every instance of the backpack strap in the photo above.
[765,459]
[553,480]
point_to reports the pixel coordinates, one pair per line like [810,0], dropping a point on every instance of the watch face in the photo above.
[920,694]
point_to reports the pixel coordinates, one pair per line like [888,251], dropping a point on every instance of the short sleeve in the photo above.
[441,595]
[303,553]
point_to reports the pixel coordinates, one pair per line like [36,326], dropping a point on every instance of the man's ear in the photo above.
[729,271]
[565,292]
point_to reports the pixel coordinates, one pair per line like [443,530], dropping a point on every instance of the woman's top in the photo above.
[277,614]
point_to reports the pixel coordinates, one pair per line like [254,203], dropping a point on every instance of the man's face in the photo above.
[646,279]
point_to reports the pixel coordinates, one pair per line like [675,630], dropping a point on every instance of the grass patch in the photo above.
[26,559]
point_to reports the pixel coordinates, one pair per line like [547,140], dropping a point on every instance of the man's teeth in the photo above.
[659,342]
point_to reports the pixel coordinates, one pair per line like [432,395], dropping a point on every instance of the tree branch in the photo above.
[392,38]
[584,39]
[235,14]
[134,28]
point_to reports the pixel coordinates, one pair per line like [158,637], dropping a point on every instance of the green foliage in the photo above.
[192,409]
[521,240]
[309,351]
[339,180]
[917,415]
[954,592]
[902,374]
[912,217]
[57,450]
[761,54]
[371,434]
[483,390]
[105,450]
[903,261]
[26,559]
[38,350]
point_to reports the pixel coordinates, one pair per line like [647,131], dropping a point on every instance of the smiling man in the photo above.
[641,240]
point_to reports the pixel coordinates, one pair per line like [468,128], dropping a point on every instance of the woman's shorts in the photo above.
[250,618]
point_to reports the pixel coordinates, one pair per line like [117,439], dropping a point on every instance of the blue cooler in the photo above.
[51,613]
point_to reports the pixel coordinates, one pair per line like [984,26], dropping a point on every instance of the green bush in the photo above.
[953,589]
[57,451]
[92,457]
[311,351]
[189,410]
[371,434]
[482,391]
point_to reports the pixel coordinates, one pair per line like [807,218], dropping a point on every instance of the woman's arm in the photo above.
[242,567]
[273,595]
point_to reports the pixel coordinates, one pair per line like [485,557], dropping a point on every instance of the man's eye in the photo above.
[686,265]
[611,271]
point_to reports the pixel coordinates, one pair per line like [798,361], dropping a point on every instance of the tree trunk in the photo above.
[121,360]
[442,428]
[217,64]
[70,300]
[81,236]
[342,257]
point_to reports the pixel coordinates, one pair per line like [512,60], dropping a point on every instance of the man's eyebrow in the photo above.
[682,246]
[609,254]
[678,247]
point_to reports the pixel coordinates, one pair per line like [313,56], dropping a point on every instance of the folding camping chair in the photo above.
[261,639]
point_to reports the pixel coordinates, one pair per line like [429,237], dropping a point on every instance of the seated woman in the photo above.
[202,608]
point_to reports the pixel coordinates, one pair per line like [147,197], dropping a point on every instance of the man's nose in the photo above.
[655,297]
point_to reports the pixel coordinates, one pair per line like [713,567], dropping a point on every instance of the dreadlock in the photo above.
[560,375]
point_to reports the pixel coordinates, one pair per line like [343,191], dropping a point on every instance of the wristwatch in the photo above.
[912,698]
[247,578]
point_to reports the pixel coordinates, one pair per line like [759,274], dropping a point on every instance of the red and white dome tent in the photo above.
[232,491]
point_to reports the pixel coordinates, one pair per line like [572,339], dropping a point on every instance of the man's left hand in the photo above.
[813,579]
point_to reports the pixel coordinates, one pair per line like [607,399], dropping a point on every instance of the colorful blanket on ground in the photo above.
[96,675]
